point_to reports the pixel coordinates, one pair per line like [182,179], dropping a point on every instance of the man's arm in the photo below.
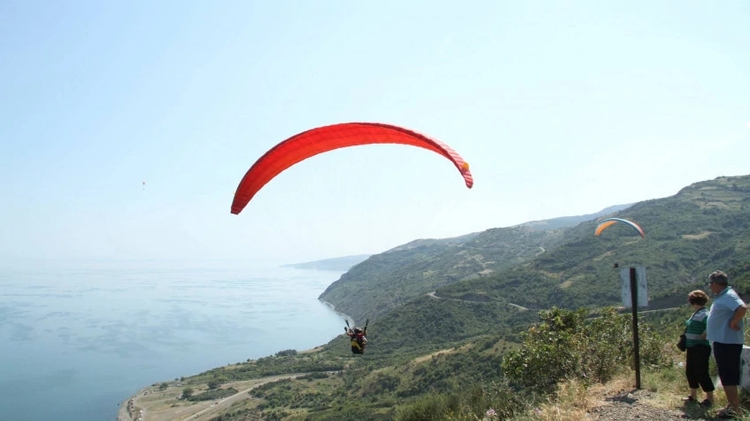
[739,313]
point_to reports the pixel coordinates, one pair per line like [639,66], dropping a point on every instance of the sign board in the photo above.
[640,275]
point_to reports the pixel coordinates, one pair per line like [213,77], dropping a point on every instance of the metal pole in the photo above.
[636,339]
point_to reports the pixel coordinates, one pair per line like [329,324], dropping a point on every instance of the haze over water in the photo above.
[80,337]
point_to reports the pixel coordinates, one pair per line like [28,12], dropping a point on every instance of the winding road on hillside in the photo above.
[185,413]
[226,402]
[432,294]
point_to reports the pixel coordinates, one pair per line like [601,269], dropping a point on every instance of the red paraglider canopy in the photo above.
[323,139]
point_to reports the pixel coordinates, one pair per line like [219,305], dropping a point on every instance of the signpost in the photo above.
[635,294]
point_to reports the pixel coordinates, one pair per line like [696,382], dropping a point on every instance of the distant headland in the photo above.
[335,264]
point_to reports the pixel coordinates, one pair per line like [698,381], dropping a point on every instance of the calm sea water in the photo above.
[78,338]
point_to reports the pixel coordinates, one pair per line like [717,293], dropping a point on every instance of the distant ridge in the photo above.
[334,264]
[386,280]
[570,221]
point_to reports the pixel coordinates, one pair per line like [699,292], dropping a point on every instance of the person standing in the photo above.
[698,350]
[726,329]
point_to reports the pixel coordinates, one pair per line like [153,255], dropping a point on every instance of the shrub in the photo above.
[474,404]
[210,395]
[565,345]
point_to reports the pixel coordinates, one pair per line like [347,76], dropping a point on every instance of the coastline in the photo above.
[131,409]
[333,308]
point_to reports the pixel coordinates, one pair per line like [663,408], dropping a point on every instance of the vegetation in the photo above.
[703,227]
[564,349]
[567,346]
[509,322]
[388,280]
[212,394]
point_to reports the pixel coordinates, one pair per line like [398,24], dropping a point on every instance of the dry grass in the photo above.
[566,284]
[700,236]
[574,401]
[607,254]
[434,354]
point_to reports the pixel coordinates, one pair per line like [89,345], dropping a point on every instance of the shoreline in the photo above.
[333,308]
[129,410]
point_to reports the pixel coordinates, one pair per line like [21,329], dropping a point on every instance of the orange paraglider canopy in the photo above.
[323,139]
[611,221]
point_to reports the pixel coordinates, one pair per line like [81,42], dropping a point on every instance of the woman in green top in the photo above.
[698,350]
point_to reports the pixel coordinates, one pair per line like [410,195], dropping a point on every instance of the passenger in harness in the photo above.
[357,338]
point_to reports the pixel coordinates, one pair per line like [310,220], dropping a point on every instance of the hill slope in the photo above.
[389,279]
[426,350]
[701,228]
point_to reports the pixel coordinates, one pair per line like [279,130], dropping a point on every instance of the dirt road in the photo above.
[150,404]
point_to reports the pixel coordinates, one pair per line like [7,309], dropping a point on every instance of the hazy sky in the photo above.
[561,108]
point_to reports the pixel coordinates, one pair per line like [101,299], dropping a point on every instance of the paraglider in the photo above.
[606,223]
[327,138]
[357,337]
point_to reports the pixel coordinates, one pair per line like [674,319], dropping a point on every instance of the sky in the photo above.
[126,126]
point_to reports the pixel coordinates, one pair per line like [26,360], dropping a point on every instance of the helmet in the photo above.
[357,330]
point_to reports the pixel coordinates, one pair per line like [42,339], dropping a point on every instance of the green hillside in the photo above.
[701,228]
[389,279]
[498,319]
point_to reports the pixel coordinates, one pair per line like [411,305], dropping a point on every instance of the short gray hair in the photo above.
[719,277]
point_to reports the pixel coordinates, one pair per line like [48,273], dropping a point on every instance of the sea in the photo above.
[79,337]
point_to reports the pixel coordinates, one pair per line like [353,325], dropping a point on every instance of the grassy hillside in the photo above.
[447,366]
[702,228]
[516,314]
[688,235]
[387,280]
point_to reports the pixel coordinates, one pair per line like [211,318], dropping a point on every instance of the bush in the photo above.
[474,404]
[565,345]
[432,407]
[210,395]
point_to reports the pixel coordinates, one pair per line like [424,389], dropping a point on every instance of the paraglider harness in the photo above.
[357,336]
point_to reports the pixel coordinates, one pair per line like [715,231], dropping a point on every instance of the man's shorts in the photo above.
[728,359]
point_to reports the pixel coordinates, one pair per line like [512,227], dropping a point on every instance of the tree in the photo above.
[187,392]
[163,386]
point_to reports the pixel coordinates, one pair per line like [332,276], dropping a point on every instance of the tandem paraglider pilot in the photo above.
[358,339]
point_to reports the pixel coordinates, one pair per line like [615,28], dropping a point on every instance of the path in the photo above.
[157,410]
[432,294]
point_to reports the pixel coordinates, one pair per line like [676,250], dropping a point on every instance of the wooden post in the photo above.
[636,339]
